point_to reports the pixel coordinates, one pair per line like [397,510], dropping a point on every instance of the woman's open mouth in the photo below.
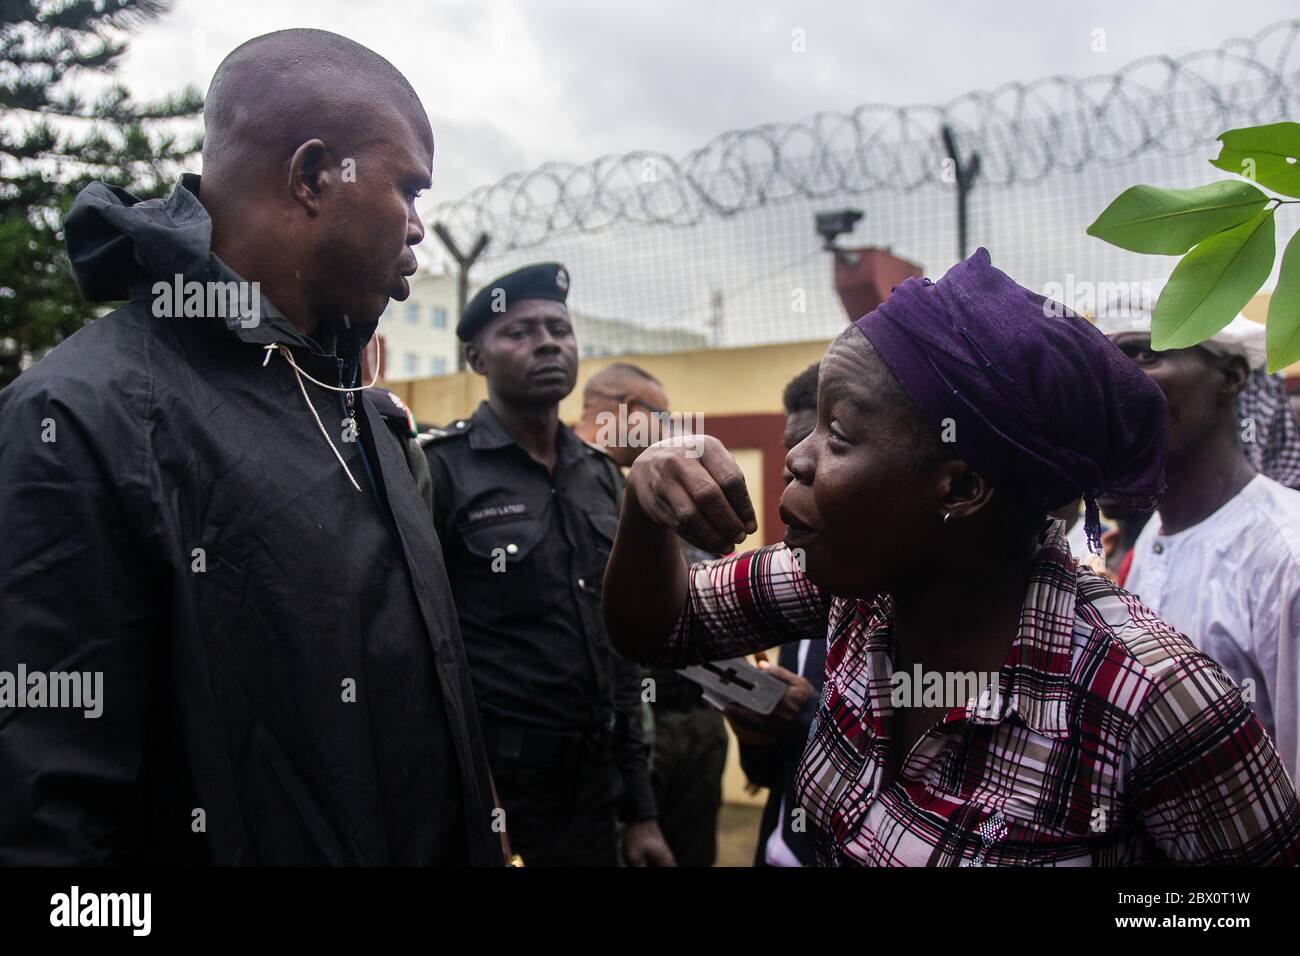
[796,531]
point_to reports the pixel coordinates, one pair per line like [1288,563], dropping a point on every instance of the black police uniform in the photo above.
[525,552]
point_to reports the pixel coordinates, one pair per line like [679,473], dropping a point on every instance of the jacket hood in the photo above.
[118,243]
[121,245]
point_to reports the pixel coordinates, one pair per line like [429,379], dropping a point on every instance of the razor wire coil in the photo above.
[1023,132]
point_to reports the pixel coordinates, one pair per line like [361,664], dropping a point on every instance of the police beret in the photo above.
[542,280]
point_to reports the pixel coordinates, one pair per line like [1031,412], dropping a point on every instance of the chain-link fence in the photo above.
[719,246]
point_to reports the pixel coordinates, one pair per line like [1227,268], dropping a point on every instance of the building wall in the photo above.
[419,335]
[708,382]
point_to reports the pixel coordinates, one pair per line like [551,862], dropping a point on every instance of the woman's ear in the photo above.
[967,492]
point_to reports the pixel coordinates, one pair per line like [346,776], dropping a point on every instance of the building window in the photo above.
[412,364]
[439,317]
[412,312]
[439,365]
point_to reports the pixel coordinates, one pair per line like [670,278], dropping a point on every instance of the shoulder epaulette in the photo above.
[393,410]
[460,426]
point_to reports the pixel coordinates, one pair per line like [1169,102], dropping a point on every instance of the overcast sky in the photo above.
[509,84]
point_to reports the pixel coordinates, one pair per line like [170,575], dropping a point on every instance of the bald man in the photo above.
[227,633]
[620,391]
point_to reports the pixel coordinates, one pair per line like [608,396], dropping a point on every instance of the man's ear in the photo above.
[310,171]
[967,493]
[474,358]
[1236,373]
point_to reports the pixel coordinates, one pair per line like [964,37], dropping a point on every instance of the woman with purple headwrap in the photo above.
[987,701]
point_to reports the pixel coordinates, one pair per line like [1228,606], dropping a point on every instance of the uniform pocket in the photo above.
[500,560]
[605,526]
[504,544]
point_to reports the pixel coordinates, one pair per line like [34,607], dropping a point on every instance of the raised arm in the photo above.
[684,486]
[656,608]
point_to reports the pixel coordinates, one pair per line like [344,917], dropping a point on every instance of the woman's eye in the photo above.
[835,433]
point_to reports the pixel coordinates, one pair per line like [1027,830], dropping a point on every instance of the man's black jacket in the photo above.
[283,675]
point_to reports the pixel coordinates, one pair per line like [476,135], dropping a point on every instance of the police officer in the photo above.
[526,512]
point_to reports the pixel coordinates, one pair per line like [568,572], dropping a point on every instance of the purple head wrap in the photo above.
[1031,394]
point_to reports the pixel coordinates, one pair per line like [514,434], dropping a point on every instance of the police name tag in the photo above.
[736,681]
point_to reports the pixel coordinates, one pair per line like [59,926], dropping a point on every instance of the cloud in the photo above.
[512,83]
[467,154]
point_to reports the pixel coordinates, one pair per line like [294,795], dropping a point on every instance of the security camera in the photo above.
[831,225]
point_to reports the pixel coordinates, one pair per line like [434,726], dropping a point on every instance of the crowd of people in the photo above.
[327,635]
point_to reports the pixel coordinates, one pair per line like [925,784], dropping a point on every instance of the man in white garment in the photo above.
[1220,561]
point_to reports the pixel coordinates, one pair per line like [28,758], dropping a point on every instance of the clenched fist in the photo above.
[693,486]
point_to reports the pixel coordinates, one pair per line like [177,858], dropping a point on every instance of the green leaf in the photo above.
[1213,283]
[1268,155]
[1283,327]
[1171,221]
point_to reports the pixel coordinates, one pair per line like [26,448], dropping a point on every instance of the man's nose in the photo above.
[414,228]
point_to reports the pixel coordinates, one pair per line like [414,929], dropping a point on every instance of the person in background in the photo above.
[1274,448]
[771,745]
[620,393]
[526,512]
[800,402]
[917,541]
[688,743]
[1221,560]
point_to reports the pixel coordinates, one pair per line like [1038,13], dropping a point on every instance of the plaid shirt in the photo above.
[1111,740]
